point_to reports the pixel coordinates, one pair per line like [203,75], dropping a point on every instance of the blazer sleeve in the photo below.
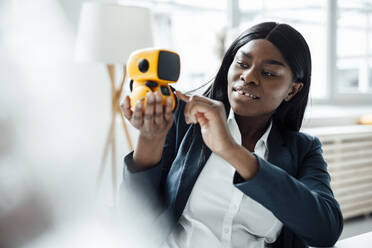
[149,181]
[140,199]
[304,204]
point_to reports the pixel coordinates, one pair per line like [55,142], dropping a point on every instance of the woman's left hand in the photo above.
[211,116]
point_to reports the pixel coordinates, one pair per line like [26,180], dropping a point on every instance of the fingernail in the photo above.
[150,98]
[138,104]
[194,119]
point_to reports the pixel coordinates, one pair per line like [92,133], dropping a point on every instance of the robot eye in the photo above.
[165,91]
[143,65]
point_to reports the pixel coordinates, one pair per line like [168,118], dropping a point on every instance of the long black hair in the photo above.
[294,49]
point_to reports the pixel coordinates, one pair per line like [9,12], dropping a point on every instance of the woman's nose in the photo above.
[249,76]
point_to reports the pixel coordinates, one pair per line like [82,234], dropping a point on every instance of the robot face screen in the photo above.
[168,66]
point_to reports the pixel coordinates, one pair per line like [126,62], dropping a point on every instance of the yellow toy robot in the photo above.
[151,70]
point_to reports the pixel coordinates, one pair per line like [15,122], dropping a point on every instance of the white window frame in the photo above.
[332,96]
[234,15]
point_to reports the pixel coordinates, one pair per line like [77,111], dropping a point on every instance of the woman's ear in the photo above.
[293,90]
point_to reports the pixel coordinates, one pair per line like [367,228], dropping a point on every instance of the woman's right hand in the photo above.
[153,123]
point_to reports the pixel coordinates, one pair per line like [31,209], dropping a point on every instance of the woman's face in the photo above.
[259,80]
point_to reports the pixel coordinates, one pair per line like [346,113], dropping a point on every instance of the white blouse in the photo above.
[217,214]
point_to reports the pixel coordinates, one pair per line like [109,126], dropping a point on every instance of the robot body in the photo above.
[152,70]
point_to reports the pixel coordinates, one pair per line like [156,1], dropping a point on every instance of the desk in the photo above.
[359,241]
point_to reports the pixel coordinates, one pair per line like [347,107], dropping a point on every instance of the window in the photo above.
[354,47]
[339,34]
[308,17]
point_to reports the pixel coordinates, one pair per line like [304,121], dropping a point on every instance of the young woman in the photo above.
[231,166]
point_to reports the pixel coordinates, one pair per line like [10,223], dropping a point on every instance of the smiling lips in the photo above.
[246,92]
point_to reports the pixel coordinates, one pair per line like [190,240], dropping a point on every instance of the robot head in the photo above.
[151,70]
[159,65]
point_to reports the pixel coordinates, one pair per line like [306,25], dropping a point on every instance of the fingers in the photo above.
[203,122]
[195,104]
[125,107]
[158,110]
[182,96]
[187,98]
[137,118]
[154,117]
[168,110]
[149,111]
[199,109]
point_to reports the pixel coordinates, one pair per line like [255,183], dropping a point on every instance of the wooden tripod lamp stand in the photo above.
[108,33]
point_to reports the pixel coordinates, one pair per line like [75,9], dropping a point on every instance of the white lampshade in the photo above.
[108,33]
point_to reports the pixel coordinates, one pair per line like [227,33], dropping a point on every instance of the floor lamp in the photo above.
[107,34]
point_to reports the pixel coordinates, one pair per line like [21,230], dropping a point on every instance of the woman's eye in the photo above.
[242,65]
[268,74]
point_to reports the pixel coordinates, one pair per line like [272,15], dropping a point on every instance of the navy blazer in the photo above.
[293,183]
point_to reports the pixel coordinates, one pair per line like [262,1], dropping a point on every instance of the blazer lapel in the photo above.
[197,155]
[279,154]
